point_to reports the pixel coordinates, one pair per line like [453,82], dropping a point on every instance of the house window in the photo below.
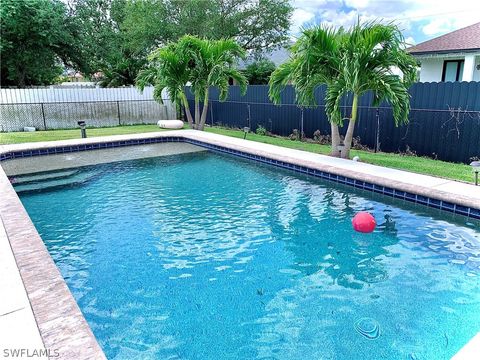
[452,70]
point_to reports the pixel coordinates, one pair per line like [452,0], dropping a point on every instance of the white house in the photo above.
[451,57]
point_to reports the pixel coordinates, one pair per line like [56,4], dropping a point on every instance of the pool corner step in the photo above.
[54,183]
[46,176]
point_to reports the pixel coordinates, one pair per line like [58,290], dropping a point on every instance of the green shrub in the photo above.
[258,72]
[261,130]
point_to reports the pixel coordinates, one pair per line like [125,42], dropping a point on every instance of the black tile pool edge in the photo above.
[414,198]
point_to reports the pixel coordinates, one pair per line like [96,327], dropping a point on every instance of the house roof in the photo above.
[465,39]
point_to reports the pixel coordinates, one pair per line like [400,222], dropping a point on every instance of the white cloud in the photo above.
[300,17]
[437,26]
[443,16]
[421,19]
[410,41]
[357,4]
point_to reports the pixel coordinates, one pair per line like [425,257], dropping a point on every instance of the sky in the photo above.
[420,20]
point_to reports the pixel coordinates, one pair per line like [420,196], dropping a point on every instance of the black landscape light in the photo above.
[82,128]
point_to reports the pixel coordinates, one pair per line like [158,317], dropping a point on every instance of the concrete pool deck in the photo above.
[39,312]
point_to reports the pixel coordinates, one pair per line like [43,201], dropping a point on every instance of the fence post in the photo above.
[377,138]
[43,117]
[211,112]
[301,125]
[249,119]
[118,114]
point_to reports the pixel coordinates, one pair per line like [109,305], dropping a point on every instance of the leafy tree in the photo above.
[100,29]
[258,72]
[199,62]
[349,62]
[119,34]
[105,42]
[37,38]
[122,70]
[114,37]
[257,26]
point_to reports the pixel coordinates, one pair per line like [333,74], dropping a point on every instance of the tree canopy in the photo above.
[42,37]
[37,38]
[256,26]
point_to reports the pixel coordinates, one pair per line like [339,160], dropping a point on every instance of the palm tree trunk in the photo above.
[187,111]
[204,111]
[351,127]
[197,111]
[335,139]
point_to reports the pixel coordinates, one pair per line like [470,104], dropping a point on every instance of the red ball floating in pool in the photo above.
[364,222]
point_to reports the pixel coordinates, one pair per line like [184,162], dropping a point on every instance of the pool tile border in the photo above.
[360,184]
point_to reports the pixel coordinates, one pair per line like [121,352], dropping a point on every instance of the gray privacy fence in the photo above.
[444,120]
[61,108]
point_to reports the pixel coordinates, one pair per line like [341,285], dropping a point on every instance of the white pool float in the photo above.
[170,124]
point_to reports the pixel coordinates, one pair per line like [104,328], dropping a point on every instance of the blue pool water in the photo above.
[205,256]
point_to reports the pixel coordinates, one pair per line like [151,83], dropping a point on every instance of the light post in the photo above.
[246,130]
[476,168]
[82,129]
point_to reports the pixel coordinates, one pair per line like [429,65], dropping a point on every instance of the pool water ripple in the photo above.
[203,256]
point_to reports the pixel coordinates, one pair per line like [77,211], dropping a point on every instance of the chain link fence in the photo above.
[60,108]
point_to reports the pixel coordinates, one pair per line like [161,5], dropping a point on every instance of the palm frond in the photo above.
[315,60]
[391,89]
[279,80]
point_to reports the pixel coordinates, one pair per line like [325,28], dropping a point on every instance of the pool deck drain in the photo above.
[38,312]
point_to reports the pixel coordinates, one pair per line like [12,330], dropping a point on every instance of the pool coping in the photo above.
[60,322]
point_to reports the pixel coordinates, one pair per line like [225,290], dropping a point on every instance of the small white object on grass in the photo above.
[170,124]
[356,158]
[29,129]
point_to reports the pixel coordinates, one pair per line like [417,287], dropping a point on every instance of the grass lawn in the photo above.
[416,164]
[49,135]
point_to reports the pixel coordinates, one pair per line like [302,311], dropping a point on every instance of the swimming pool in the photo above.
[205,256]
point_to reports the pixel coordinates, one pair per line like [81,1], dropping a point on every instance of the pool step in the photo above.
[55,183]
[52,175]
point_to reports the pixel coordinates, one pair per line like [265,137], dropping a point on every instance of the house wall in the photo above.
[468,67]
[431,68]
[476,72]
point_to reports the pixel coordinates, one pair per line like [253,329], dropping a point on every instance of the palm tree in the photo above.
[314,60]
[365,58]
[199,62]
[168,69]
